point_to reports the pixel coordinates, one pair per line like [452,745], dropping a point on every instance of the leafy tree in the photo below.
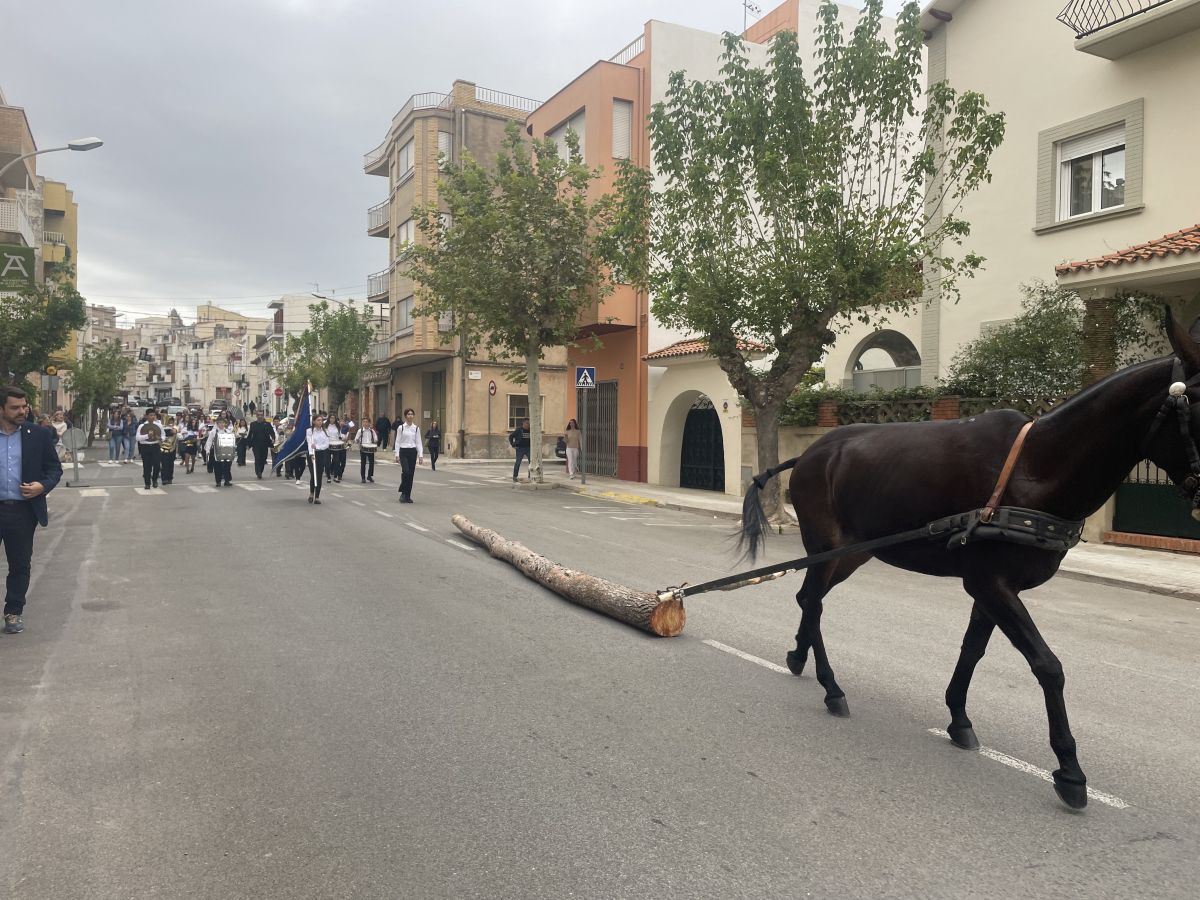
[34,324]
[789,206]
[331,352]
[1042,352]
[95,378]
[517,259]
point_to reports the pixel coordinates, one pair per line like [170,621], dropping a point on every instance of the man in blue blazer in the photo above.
[29,470]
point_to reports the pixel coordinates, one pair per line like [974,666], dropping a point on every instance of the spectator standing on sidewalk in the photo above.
[433,434]
[519,441]
[408,453]
[383,427]
[573,438]
[149,438]
[129,435]
[260,438]
[29,470]
[367,440]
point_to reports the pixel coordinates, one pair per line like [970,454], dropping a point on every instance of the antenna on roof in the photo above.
[749,9]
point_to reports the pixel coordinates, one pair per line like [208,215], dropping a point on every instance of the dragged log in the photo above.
[662,616]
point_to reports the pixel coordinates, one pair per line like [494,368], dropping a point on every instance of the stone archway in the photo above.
[885,359]
[702,452]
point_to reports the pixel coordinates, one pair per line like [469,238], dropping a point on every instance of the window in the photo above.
[404,315]
[559,135]
[622,127]
[1092,173]
[405,232]
[445,149]
[1090,167]
[404,159]
[518,409]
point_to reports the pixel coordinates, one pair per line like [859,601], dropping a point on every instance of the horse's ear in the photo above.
[1186,347]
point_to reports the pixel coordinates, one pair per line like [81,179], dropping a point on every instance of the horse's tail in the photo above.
[754,520]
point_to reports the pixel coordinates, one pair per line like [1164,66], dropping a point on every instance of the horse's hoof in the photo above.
[1071,793]
[838,706]
[795,662]
[963,736]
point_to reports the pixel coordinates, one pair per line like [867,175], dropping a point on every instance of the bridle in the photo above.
[1177,403]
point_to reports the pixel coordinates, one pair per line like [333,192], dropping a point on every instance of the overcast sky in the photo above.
[235,129]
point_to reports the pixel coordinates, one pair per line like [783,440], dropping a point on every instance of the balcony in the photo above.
[1115,28]
[615,312]
[379,351]
[377,286]
[629,51]
[16,140]
[378,219]
[376,162]
[15,219]
[54,237]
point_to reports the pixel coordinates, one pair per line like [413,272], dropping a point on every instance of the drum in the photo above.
[225,446]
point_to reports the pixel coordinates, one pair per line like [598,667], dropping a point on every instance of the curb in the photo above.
[1129,584]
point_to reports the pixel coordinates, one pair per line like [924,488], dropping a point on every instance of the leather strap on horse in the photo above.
[989,509]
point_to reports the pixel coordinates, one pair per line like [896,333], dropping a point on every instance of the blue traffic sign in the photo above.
[585,376]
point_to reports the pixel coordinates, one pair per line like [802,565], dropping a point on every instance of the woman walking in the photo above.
[129,436]
[573,438]
[167,449]
[367,440]
[317,439]
[116,432]
[337,449]
[408,453]
[243,432]
[187,444]
[433,435]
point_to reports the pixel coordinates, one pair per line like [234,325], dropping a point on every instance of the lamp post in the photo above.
[89,143]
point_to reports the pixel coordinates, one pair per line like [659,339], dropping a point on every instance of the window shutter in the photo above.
[444,146]
[1091,143]
[622,123]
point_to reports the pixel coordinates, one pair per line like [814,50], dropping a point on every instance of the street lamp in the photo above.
[88,143]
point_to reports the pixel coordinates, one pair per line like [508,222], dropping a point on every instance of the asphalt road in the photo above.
[233,694]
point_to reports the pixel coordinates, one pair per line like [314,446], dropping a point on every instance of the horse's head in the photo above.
[1173,442]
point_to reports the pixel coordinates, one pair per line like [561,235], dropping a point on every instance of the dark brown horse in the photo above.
[862,482]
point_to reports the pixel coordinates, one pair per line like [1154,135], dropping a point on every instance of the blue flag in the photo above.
[297,443]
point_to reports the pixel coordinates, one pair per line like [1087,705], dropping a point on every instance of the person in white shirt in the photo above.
[221,447]
[337,449]
[318,457]
[367,440]
[149,441]
[409,453]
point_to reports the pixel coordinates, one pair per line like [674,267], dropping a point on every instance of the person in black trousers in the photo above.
[383,426]
[149,441]
[519,441]
[22,497]
[433,435]
[367,440]
[260,438]
[409,452]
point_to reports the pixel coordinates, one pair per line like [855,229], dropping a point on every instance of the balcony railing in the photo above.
[13,217]
[54,237]
[629,51]
[1086,17]
[377,285]
[499,98]
[379,351]
[378,215]
[430,100]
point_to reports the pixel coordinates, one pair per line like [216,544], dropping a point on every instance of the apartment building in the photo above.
[662,411]
[418,363]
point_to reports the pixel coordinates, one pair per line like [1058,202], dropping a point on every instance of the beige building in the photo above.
[415,365]
[1097,157]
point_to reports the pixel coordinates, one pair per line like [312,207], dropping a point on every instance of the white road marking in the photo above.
[670,524]
[416,526]
[339,496]
[251,487]
[464,481]
[459,544]
[630,518]
[202,488]
[1030,769]
[358,503]
[155,491]
[385,515]
[93,492]
[758,661]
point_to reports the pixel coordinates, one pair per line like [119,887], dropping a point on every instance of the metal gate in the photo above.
[601,432]
[1148,503]
[702,458]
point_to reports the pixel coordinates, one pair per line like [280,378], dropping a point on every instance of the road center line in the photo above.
[1028,768]
[725,648]
[385,515]
[459,544]
[416,526]
[358,503]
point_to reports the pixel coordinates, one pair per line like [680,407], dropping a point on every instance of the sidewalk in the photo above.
[1152,571]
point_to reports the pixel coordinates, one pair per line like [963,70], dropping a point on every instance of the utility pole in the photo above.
[749,9]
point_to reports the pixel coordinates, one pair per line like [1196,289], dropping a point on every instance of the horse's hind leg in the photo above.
[1005,608]
[974,644]
[818,581]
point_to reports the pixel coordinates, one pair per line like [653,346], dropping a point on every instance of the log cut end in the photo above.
[668,618]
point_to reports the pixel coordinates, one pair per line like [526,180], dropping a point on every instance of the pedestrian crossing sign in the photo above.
[585,376]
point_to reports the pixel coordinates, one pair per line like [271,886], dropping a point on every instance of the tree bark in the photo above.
[1099,338]
[664,618]
[533,383]
[767,425]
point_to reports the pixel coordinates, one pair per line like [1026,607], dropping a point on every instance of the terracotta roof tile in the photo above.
[699,346]
[1176,243]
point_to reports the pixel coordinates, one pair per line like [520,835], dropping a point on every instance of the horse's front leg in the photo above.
[1005,608]
[974,645]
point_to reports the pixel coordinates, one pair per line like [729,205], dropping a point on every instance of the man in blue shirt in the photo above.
[29,469]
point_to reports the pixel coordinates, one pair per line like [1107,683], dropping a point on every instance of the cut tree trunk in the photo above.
[638,608]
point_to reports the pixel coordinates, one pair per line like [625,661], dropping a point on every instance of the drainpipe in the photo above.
[462,345]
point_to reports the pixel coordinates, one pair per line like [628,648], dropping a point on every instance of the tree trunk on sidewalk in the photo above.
[664,618]
[534,383]
[767,426]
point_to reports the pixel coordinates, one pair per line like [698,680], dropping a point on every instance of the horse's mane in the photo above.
[1104,384]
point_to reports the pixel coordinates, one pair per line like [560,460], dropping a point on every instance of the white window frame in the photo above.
[405,233]
[445,143]
[577,123]
[404,316]
[1092,146]
[622,128]
[404,160]
[514,421]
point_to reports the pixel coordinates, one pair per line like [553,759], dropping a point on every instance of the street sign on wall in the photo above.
[16,267]
[585,376]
